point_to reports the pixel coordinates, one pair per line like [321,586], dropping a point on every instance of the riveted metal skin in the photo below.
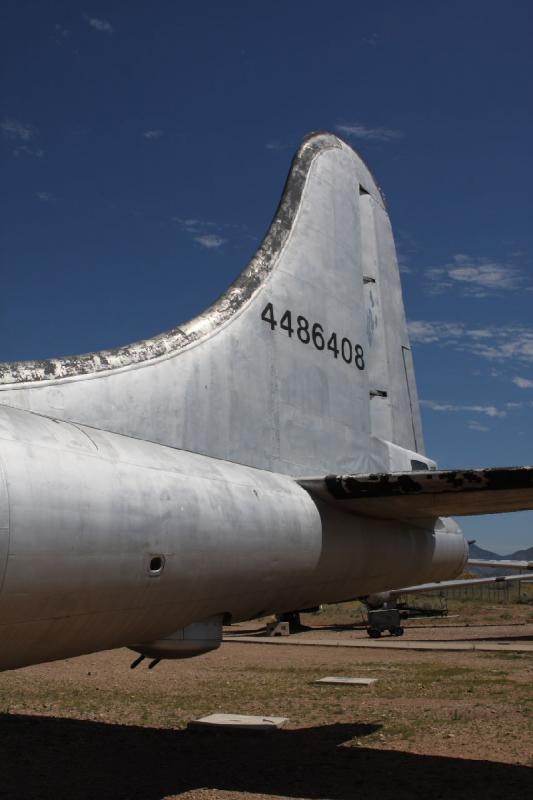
[401,495]
[89,510]
[227,385]
[154,486]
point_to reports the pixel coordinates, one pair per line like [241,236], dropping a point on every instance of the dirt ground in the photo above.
[434,725]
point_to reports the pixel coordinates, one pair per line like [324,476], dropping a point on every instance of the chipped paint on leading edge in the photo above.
[346,487]
[222,310]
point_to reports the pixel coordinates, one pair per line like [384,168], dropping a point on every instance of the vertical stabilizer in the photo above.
[301,367]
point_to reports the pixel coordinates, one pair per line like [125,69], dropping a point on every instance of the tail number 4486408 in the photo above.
[314,333]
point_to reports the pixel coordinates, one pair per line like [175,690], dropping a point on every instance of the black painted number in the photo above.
[268,315]
[285,323]
[303,330]
[359,360]
[314,332]
[346,350]
[318,336]
[332,345]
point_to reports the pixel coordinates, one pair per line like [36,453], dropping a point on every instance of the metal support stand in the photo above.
[277,628]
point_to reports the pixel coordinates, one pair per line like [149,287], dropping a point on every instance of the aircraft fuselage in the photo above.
[107,541]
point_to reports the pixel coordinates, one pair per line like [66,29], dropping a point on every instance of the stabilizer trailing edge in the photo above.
[427,494]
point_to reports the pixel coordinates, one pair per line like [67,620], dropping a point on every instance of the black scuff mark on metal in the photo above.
[49,368]
[370,326]
[351,487]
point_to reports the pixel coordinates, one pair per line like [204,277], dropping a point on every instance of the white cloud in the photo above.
[474,425]
[155,134]
[192,225]
[480,333]
[24,150]
[46,197]
[373,40]
[523,383]
[20,133]
[507,342]
[61,31]
[203,231]
[474,277]
[276,144]
[100,24]
[428,332]
[13,129]
[209,240]
[489,411]
[358,130]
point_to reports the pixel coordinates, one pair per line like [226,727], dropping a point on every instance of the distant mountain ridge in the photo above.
[479,552]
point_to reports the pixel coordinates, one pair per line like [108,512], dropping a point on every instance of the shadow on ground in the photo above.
[47,757]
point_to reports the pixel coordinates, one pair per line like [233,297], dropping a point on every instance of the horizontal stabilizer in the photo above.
[436,586]
[501,564]
[427,494]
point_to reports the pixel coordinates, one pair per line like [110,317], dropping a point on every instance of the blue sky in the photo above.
[145,146]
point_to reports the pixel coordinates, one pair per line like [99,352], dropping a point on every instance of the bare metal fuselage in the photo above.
[158,493]
[86,515]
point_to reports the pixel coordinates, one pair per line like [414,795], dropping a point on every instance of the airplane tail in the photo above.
[303,366]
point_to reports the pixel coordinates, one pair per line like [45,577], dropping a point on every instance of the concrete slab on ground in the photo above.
[338,679]
[237,722]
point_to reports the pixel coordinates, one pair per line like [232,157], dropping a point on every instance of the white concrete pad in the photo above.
[350,681]
[238,721]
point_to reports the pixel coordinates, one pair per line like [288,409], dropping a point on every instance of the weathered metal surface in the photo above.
[491,479]
[395,415]
[437,586]
[429,493]
[504,563]
[235,297]
[192,640]
[150,489]
[90,511]
[226,385]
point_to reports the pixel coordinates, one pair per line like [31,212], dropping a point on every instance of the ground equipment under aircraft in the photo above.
[385,612]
